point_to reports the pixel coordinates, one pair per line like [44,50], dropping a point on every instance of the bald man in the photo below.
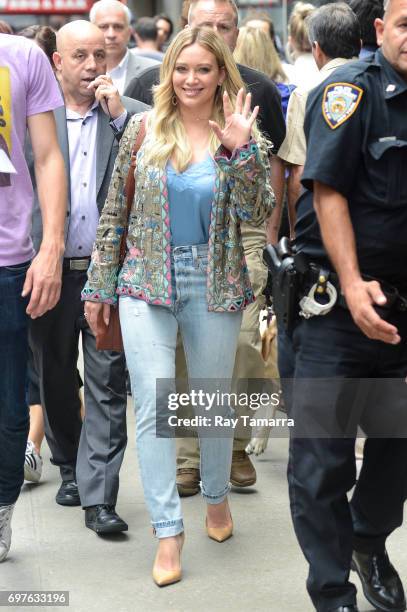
[89,456]
[113,18]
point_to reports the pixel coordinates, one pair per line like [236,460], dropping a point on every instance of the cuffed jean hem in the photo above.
[168,529]
[215,499]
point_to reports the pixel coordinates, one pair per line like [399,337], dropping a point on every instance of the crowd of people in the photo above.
[143,171]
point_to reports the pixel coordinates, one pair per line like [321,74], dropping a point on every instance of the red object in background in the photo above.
[13,7]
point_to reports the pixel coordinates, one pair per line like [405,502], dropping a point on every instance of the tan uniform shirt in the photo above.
[294,148]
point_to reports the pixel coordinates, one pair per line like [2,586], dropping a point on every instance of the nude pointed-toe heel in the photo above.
[219,534]
[164,577]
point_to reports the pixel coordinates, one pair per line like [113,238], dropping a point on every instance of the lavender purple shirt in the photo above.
[27,87]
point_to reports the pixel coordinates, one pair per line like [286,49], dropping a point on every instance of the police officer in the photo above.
[356,171]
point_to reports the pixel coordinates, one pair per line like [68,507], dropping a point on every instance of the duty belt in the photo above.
[321,282]
[296,286]
[76,263]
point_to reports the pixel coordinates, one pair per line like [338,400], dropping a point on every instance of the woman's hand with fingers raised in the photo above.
[238,121]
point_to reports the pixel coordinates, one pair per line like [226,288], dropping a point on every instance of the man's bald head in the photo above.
[79,59]
[75,31]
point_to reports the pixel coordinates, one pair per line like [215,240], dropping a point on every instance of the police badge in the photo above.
[339,102]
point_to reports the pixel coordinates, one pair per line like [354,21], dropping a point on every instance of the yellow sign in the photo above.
[5,105]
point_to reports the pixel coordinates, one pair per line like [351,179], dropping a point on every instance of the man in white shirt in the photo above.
[113,18]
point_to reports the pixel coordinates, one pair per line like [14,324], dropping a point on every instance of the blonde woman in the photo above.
[304,71]
[201,170]
[255,49]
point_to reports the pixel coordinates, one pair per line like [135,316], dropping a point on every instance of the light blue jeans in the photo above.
[210,341]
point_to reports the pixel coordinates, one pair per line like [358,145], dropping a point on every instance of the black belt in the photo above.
[80,264]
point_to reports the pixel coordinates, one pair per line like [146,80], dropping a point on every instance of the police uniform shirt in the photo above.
[356,130]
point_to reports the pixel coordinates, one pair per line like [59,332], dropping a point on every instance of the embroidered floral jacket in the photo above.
[242,193]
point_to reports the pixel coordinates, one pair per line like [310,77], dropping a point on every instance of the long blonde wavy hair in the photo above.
[168,136]
[256,49]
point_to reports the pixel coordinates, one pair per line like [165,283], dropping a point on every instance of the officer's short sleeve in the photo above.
[333,131]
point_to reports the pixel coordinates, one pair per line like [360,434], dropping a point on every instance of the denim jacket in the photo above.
[242,193]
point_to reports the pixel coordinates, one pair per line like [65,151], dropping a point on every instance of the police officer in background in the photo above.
[356,171]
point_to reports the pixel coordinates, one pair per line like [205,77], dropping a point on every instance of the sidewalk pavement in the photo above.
[260,569]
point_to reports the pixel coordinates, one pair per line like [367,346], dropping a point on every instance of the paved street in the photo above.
[260,568]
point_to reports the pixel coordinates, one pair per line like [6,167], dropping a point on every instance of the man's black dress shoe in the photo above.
[68,494]
[352,608]
[104,519]
[380,582]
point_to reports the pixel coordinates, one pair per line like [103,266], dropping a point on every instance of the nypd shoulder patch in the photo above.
[339,102]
